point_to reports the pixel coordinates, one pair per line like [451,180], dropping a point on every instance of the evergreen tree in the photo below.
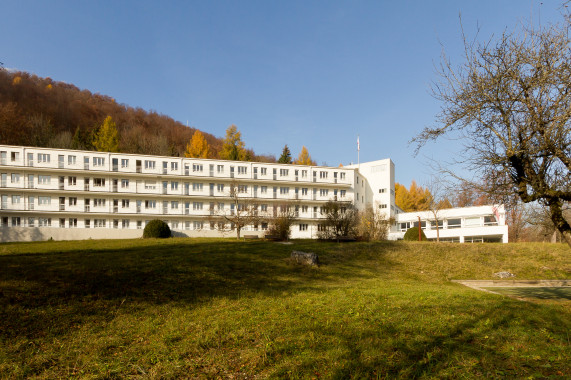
[285,158]
[106,139]
[304,158]
[198,146]
[233,146]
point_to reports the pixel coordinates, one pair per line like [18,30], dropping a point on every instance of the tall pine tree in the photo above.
[285,158]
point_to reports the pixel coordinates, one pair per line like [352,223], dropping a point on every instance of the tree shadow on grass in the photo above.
[465,347]
[41,292]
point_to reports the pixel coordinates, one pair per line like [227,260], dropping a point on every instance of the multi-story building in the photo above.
[68,194]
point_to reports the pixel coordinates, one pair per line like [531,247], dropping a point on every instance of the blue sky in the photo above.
[313,73]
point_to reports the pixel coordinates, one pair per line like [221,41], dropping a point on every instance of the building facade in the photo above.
[68,194]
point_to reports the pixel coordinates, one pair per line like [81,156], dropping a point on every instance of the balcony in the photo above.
[87,208]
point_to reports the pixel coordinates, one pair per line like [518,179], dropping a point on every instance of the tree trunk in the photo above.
[559,221]
[237,233]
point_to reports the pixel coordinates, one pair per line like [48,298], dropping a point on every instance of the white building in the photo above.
[67,194]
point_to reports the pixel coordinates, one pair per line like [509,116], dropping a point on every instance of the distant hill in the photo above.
[41,112]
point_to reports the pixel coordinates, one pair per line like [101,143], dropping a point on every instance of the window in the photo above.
[71,181]
[263,189]
[220,206]
[342,175]
[44,179]
[72,222]
[98,182]
[242,188]
[44,222]
[264,208]
[263,171]
[197,225]
[197,205]
[15,178]
[220,187]
[304,174]
[44,200]
[43,157]
[72,160]
[72,201]
[197,187]
[323,174]
[321,227]
[303,227]
[284,172]
[99,223]
[150,185]
[197,167]
[98,202]
[220,168]
[150,165]
[342,193]
[124,183]
[472,222]
[15,156]
[98,161]
[124,163]
[125,223]
[174,205]
[139,224]
[174,225]
[323,192]
[150,204]
[174,166]
[174,186]
[454,223]
[382,206]
[242,170]
[87,223]
[124,203]
[490,220]
[31,222]
[284,190]
[303,208]
[62,223]
[382,191]
[15,199]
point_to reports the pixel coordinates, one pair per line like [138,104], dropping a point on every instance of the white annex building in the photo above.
[68,194]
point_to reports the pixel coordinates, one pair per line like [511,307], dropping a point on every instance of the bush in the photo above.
[412,234]
[156,229]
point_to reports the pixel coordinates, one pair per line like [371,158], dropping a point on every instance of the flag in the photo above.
[358,146]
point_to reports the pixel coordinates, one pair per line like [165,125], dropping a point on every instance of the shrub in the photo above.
[412,234]
[156,229]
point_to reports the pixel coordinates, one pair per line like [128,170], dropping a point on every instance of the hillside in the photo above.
[41,112]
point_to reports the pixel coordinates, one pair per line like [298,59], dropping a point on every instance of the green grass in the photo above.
[207,308]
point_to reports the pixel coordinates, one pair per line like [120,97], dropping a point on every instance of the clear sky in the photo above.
[313,73]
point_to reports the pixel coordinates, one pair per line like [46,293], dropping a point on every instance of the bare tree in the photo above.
[242,212]
[285,215]
[437,201]
[510,102]
[341,220]
[373,225]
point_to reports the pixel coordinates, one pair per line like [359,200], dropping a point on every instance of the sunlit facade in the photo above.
[69,194]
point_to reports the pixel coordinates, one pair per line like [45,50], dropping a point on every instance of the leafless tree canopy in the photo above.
[510,102]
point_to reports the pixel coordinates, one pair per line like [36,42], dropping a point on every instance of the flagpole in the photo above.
[358,151]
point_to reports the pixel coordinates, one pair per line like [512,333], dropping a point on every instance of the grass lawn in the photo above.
[213,308]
